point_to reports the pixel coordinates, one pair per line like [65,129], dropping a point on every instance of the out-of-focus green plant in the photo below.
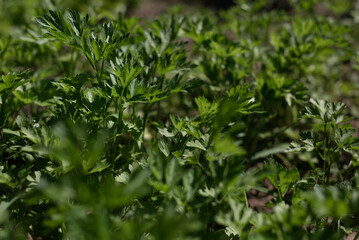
[193,126]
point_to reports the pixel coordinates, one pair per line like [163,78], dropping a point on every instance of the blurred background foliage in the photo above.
[193,126]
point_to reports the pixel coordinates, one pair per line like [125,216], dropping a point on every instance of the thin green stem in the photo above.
[102,65]
[158,109]
[14,118]
[120,108]
[72,63]
[147,110]
[246,199]
[97,73]
[92,65]
[325,153]
[2,111]
[280,194]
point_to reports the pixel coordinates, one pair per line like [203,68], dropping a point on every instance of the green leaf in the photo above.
[6,179]
[226,145]
[273,150]
[205,107]
[173,172]
[165,146]
[323,110]
[195,144]
[287,179]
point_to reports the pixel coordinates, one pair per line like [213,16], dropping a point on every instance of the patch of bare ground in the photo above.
[258,200]
[351,236]
[152,8]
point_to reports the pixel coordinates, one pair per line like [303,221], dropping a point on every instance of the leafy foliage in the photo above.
[234,125]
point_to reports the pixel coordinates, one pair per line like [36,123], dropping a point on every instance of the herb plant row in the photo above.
[227,125]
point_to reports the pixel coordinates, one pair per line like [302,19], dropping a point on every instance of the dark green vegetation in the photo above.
[227,125]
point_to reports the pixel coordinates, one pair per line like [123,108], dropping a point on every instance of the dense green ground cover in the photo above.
[206,125]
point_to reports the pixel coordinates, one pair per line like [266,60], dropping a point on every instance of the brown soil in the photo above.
[152,8]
